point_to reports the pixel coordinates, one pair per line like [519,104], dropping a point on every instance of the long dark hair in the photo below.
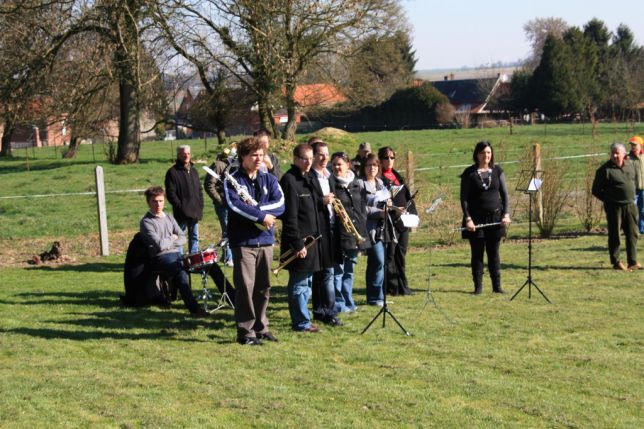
[480,146]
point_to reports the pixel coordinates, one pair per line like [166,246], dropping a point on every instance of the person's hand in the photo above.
[174,236]
[269,221]
[505,221]
[328,198]
[302,253]
[469,225]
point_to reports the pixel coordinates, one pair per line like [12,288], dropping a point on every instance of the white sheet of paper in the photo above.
[535,184]
[410,220]
[382,195]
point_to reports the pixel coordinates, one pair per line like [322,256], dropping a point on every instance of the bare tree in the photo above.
[269,45]
[536,31]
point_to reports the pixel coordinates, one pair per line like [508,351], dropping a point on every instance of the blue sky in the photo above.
[452,34]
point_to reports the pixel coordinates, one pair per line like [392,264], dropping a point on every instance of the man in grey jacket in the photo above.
[164,240]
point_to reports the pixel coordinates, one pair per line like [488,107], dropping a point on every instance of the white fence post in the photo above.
[102,212]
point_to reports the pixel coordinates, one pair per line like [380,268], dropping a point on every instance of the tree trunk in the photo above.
[291,110]
[73,146]
[129,140]
[266,117]
[221,136]
[5,151]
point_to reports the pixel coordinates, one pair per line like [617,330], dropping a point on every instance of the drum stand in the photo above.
[205,293]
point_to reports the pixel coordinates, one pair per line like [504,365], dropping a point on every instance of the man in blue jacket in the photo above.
[254,200]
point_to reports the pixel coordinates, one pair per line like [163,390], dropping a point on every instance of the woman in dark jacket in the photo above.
[354,200]
[484,200]
[399,240]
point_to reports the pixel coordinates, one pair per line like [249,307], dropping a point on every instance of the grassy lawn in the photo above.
[72,357]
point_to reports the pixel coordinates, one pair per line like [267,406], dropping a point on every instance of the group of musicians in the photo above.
[331,208]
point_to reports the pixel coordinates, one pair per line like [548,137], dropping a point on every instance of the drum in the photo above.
[200,260]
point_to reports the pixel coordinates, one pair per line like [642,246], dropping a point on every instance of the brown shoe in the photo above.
[635,266]
[312,329]
[620,266]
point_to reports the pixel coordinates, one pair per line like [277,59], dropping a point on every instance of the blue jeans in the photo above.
[171,266]
[193,234]
[324,295]
[375,274]
[343,281]
[222,215]
[299,293]
[639,200]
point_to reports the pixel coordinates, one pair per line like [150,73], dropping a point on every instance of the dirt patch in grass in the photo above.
[17,252]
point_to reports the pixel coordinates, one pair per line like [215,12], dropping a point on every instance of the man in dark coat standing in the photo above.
[299,221]
[614,185]
[323,281]
[183,189]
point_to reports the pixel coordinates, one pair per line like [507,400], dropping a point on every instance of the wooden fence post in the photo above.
[538,196]
[102,212]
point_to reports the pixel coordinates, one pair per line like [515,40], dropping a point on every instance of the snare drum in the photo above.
[199,260]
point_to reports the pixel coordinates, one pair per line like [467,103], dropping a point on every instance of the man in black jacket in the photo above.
[299,221]
[183,189]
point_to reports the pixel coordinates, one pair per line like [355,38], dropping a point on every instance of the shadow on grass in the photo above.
[128,324]
[98,267]
[102,299]
[525,267]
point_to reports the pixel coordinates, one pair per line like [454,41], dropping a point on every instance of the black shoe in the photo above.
[333,321]
[249,341]
[200,313]
[477,292]
[499,290]
[267,336]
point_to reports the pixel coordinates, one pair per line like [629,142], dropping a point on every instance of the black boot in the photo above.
[478,283]
[496,285]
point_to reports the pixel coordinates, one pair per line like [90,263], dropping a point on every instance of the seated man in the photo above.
[164,239]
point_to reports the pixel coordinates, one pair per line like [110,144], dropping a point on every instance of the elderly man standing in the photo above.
[183,188]
[614,185]
[637,157]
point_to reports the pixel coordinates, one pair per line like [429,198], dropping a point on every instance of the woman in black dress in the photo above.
[484,200]
[396,248]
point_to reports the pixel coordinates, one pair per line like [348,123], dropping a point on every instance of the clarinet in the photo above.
[243,194]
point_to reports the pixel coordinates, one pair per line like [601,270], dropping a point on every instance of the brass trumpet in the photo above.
[347,224]
[290,255]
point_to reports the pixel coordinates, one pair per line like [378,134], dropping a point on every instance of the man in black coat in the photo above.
[323,284]
[300,224]
[183,189]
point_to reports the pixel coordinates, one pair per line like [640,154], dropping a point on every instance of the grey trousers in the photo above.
[251,276]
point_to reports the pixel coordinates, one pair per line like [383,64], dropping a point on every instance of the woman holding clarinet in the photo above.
[485,204]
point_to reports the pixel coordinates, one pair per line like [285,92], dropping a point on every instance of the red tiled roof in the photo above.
[318,94]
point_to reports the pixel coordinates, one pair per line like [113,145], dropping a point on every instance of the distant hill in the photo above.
[464,73]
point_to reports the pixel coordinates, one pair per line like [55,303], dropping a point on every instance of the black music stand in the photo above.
[385,309]
[529,183]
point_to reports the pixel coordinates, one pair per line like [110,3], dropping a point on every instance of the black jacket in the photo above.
[354,199]
[183,190]
[328,254]
[301,218]
[402,199]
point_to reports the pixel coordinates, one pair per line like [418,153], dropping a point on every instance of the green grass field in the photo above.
[70,356]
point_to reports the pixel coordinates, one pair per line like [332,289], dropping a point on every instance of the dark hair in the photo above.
[317,144]
[314,139]
[370,157]
[153,191]
[479,148]
[301,148]
[383,151]
[262,132]
[342,155]
[249,145]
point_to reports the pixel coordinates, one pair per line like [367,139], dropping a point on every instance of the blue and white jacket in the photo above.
[242,217]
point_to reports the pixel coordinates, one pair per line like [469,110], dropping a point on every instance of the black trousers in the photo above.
[395,256]
[489,245]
